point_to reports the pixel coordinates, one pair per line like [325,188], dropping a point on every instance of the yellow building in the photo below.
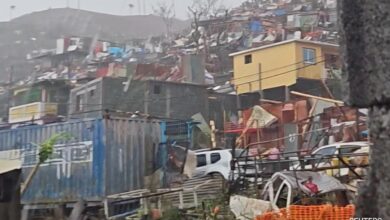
[281,64]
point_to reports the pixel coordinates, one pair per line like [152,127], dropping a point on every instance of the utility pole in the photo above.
[260,82]
[78,4]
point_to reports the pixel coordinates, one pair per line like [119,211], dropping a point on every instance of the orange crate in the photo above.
[322,212]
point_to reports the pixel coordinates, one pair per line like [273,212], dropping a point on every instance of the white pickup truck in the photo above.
[211,162]
[324,156]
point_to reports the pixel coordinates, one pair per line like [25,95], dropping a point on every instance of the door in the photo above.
[283,196]
[201,165]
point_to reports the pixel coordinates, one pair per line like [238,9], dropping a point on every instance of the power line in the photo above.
[128,102]
[291,135]
[184,96]
[257,80]
[277,68]
[133,100]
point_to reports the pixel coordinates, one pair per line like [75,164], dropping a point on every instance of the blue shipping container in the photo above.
[102,157]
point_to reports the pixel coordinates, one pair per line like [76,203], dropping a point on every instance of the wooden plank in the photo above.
[306,126]
[195,198]
[270,101]
[181,200]
[317,97]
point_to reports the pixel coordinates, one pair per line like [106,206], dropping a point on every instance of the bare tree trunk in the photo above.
[365,31]
[29,179]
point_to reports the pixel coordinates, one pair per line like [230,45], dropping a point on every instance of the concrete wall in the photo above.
[176,100]
[156,98]
[91,94]
[116,97]
[269,59]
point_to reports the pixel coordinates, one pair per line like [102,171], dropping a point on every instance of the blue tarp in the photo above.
[279,12]
[256,27]
[116,51]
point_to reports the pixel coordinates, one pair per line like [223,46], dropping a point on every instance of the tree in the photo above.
[195,34]
[46,149]
[167,13]
[207,7]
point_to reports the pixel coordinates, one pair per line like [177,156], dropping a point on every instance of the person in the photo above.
[309,184]
[274,154]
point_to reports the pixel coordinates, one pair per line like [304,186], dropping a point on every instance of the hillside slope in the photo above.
[39,30]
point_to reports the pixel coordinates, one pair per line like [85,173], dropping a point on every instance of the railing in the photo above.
[32,111]
[252,171]
[189,195]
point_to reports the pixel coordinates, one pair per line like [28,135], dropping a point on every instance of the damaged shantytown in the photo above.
[231,111]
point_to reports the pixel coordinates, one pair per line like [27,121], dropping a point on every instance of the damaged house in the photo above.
[118,96]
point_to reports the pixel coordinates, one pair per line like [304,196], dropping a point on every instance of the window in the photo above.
[157,89]
[248,59]
[92,93]
[323,155]
[309,56]
[215,157]
[201,160]
[79,103]
[326,151]
[349,149]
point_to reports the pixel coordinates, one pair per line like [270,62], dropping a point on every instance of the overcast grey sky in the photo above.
[118,7]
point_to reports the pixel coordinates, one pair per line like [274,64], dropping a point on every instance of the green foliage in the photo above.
[46,148]
[170,214]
